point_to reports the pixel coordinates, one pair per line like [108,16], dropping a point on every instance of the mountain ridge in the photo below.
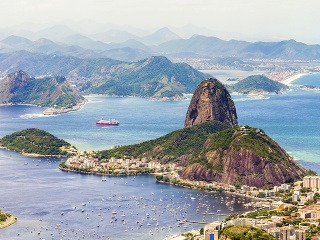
[152,77]
[167,43]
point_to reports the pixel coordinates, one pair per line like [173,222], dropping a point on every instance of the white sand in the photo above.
[288,81]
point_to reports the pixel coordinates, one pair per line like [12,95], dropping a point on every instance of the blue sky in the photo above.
[265,19]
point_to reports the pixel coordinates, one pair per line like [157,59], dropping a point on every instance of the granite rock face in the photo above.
[47,91]
[11,83]
[245,167]
[211,101]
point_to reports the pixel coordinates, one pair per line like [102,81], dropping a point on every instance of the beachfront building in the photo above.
[211,231]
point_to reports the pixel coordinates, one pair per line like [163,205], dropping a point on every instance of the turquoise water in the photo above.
[313,80]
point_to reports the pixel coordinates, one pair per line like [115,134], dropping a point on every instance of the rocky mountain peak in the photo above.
[211,101]
[17,80]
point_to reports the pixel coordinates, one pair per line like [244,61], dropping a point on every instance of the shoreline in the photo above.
[49,111]
[102,174]
[224,191]
[33,155]
[56,111]
[288,81]
[162,182]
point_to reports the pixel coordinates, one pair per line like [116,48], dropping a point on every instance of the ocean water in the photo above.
[49,203]
[312,79]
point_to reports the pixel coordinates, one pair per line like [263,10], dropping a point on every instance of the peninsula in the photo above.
[54,93]
[36,143]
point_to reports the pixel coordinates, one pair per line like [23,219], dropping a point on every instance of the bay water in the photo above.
[51,204]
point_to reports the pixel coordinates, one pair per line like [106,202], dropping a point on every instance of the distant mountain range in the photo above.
[125,46]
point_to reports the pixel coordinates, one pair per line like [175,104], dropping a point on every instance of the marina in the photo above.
[65,205]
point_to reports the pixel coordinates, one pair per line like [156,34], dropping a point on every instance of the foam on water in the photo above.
[36,115]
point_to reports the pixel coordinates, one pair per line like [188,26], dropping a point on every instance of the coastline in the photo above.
[101,174]
[49,111]
[288,81]
[194,187]
[35,155]
[56,111]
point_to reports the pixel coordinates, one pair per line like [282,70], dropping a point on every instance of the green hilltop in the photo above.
[154,77]
[257,84]
[36,142]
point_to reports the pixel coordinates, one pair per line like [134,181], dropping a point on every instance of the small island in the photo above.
[36,143]
[6,219]
[257,84]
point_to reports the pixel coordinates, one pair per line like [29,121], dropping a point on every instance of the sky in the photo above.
[260,19]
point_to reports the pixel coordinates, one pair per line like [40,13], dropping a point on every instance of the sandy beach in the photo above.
[288,81]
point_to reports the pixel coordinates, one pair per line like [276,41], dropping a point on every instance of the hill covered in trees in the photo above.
[36,142]
[152,77]
[257,84]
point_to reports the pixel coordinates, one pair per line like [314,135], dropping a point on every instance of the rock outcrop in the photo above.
[211,101]
[10,84]
[251,158]
[20,88]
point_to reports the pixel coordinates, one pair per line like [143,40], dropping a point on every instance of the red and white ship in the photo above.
[112,122]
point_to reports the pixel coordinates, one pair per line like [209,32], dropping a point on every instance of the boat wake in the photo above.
[35,115]
[250,98]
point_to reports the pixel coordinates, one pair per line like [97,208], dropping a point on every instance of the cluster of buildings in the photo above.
[211,231]
[116,165]
[302,191]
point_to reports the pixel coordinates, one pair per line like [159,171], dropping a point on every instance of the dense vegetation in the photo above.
[152,77]
[34,141]
[172,145]
[245,233]
[19,88]
[200,140]
[257,84]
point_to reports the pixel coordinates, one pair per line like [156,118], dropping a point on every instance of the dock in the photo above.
[192,221]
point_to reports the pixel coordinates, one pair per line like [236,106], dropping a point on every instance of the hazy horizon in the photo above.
[265,20]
